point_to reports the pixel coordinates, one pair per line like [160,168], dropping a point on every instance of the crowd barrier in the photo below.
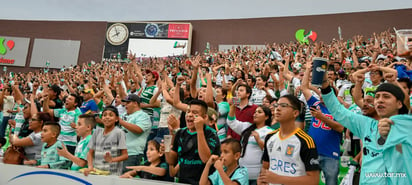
[23,175]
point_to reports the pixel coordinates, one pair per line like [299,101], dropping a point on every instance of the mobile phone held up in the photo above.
[236,101]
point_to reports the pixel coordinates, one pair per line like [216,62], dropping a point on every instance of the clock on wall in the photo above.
[117,34]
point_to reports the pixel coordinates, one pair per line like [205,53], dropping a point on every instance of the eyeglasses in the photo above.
[283,105]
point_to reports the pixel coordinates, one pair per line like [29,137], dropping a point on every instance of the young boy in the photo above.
[49,156]
[227,166]
[84,129]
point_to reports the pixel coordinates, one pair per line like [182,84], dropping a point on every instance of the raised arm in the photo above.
[357,90]
[305,81]
[176,98]
[154,101]
[46,106]
[209,92]
[195,64]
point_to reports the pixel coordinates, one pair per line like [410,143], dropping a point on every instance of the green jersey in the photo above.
[67,134]
[81,152]
[50,157]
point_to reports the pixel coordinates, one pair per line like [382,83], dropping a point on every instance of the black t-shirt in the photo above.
[24,129]
[59,104]
[147,175]
[185,144]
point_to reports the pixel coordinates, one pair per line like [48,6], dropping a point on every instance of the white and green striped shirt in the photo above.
[67,134]
[19,119]
[81,152]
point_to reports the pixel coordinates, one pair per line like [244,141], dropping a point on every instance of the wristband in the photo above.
[175,131]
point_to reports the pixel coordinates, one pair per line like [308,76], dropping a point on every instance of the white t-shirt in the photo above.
[252,158]
[291,156]
[8,104]
[344,92]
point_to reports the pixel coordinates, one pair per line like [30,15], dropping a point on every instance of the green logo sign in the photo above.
[10,45]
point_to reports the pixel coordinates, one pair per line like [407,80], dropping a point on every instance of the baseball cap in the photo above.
[395,91]
[132,97]
[155,74]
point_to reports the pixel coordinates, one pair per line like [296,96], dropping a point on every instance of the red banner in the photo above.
[178,31]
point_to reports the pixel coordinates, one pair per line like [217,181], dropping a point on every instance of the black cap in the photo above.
[132,97]
[395,91]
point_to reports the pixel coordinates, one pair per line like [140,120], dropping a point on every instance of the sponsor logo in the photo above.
[270,146]
[178,31]
[314,161]
[71,177]
[3,50]
[151,30]
[320,69]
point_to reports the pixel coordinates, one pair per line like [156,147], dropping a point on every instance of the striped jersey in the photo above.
[67,134]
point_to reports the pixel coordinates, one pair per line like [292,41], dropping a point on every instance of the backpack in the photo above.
[14,155]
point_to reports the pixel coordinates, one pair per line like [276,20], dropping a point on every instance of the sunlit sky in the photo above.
[161,10]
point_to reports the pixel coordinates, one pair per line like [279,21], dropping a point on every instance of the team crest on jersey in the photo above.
[289,150]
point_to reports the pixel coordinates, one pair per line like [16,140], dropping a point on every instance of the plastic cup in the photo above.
[319,69]
[168,142]
[403,42]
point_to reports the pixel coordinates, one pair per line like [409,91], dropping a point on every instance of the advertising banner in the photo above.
[150,39]
[13,50]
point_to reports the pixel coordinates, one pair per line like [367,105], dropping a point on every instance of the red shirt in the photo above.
[245,115]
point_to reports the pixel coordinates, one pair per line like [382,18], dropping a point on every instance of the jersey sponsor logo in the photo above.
[270,145]
[192,162]
[282,166]
[366,152]
[290,150]
[314,161]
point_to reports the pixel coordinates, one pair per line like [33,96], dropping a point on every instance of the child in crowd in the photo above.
[155,168]
[2,143]
[227,166]
[84,129]
[107,147]
[49,156]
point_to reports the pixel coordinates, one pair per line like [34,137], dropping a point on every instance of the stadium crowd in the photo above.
[241,116]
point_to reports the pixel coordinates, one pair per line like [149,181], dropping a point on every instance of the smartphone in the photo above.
[313,107]
[236,101]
